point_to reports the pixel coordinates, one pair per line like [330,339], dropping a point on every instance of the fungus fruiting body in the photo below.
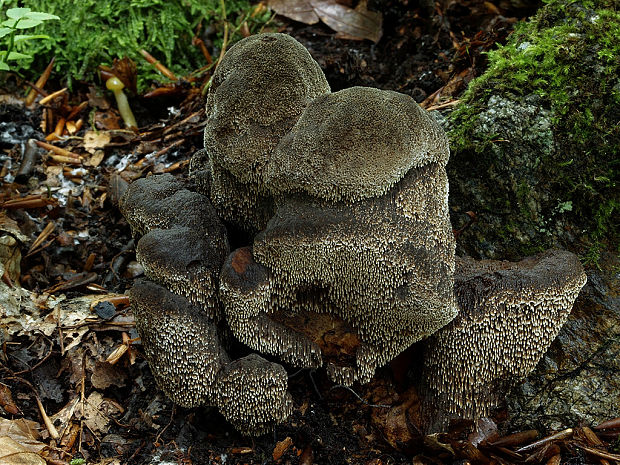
[116,86]
[509,315]
[351,255]
[258,92]
[182,245]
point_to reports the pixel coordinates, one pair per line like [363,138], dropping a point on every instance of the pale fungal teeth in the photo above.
[509,315]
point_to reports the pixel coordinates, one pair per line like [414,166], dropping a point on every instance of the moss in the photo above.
[567,54]
[93,32]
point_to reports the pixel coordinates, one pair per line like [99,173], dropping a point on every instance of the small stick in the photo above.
[57,150]
[67,160]
[77,109]
[161,68]
[40,82]
[29,160]
[60,127]
[516,439]
[591,436]
[561,435]
[609,424]
[42,236]
[198,42]
[599,453]
[90,262]
[33,201]
[52,96]
[48,423]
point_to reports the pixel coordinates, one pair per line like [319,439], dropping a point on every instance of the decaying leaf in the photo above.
[25,432]
[94,140]
[13,453]
[356,24]
[105,375]
[300,10]
[98,412]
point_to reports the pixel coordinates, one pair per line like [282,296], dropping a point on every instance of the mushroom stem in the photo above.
[115,85]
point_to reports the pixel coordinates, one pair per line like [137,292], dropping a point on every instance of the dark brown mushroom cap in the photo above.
[180,344]
[184,242]
[259,90]
[354,144]
[252,394]
[163,202]
[186,261]
[509,315]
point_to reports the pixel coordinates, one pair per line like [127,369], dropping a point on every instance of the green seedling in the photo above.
[19,19]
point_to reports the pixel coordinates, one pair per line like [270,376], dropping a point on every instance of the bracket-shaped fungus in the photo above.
[509,315]
[258,92]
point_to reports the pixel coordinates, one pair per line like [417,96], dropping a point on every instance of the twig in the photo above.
[38,87]
[174,411]
[42,236]
[52,96]
[161,68]
[358,396]
[48,423]
[58,150]
[599,453]
[561,435]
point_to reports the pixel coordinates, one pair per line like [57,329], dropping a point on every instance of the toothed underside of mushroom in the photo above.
[184,243]
[184,261]
[238,203]
[252,394]
[384,265]
[354,144]
[258,92]
[191,367]
[180,344]
[245,292]
[509,315]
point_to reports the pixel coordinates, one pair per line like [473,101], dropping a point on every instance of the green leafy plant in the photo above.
[19,19]
[95,32]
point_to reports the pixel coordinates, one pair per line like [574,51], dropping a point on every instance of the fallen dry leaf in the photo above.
[13,453]
[94,140]
[281,448]
[356,24]
[301,10]
[359,23]
[98,412]
[25,432]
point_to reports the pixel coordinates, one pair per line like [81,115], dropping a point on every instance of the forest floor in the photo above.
[75,384]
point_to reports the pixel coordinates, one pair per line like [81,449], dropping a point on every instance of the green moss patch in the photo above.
[569,56]
[94,32]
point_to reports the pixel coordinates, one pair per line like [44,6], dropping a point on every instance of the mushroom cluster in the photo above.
[343,197]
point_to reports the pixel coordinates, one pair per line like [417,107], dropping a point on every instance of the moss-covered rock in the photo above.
[536,139]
